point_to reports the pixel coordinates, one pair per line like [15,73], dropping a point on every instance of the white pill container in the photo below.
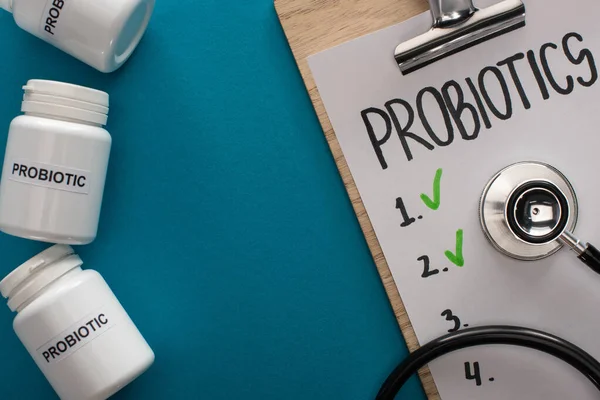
[74,327]
[55,164]
[101,33]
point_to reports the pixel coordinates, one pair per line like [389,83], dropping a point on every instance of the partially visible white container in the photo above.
[74,327]
[101,33]
[55,164]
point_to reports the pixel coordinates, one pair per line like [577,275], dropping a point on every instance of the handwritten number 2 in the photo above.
[453,318]
[426,272]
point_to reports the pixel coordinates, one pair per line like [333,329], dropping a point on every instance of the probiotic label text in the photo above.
[50,176]
[75,337]
[51,20]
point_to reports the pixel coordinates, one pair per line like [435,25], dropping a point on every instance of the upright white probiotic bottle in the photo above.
[74,327]
[101,33]
[55,164]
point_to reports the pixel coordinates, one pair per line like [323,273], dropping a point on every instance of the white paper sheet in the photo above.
[558,294]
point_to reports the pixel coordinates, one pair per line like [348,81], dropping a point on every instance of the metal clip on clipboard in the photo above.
[457,25]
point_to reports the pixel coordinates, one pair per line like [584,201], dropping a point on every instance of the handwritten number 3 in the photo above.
[453,318]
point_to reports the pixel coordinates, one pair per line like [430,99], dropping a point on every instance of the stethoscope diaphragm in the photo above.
[528,211]
[525,208]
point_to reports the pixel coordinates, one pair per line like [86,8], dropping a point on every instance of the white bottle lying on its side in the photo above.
[101,33]
[74,327]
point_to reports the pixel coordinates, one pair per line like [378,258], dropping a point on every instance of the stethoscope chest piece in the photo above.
[525,207]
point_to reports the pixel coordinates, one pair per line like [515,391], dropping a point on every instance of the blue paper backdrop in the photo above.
[226,231]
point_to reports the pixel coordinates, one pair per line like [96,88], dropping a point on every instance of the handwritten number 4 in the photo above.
[475,374]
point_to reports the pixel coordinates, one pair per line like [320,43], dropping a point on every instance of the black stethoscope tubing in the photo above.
[486,335]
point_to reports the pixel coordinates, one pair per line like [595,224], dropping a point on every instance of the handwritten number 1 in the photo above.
[400,206]
[453,318]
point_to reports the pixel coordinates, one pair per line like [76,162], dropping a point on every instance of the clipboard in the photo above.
[307,35]
[365,94]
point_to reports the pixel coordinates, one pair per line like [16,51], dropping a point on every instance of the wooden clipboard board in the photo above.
[312,26]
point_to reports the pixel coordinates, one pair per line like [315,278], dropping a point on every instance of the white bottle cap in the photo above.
[64,100]
[131,23]
[7,5]
[103,35]
[34,275]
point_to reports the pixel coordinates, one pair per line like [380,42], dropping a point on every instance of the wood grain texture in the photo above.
[312,26]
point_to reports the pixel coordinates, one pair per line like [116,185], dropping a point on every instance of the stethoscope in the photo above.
[528,211]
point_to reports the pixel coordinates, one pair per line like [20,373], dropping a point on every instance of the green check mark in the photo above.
[457,259]
[435,203]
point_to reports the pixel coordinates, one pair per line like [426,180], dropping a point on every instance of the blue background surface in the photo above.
[226,231]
